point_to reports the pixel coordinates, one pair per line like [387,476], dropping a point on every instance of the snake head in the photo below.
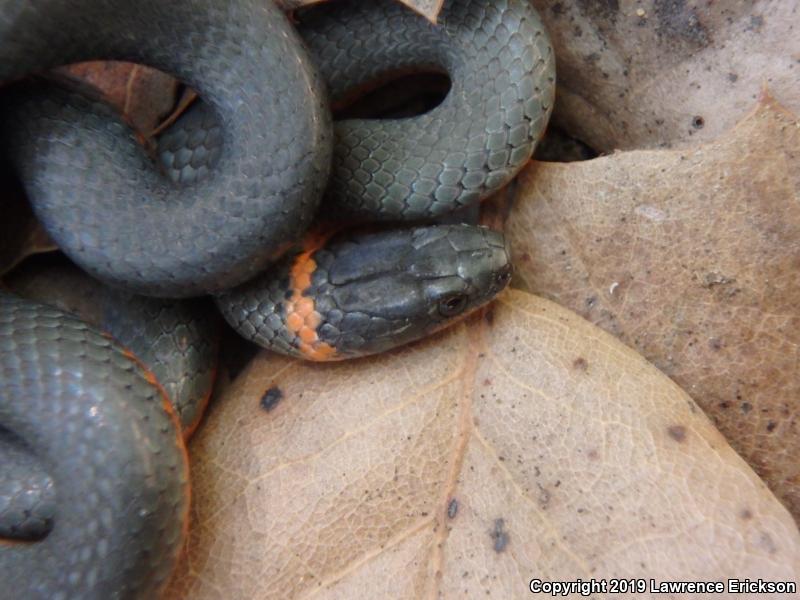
[366,292]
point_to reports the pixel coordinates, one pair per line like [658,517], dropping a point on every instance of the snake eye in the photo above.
[452,305]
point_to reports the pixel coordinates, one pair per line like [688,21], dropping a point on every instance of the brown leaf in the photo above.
[692,258]
[143,96]
[524,443]
[666,72]
[428,8]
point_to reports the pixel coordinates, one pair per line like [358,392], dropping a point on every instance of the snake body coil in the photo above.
[95,189]
[175,339]
[502,70]
[98,423]
[257,157]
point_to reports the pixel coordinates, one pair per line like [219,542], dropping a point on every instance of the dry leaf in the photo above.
[648,73]
[527,443]
[428,8]
[692,258]
[143,96]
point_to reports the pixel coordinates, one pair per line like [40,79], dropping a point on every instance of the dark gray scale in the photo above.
[256,309]
[190,148]
[379,290]
[27,492]
[176,340]
[502,69]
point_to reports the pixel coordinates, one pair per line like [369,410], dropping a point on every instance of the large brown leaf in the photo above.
[649,73]
[528,443]
[692,258]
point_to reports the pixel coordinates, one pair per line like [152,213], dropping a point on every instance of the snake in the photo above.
[176,340]
[221,207]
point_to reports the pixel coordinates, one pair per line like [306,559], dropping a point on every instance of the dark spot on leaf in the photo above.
[771,425]
[679,22]
[544,496]
[768,543]
[580,364]
[499,536]
[452,509]
[271,398]
[746,514]
[756,22]
[603,9]
[732,77]
[698,122]
[746,407]
[677,432]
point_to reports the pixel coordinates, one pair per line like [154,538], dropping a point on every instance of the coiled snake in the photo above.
[257,155]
